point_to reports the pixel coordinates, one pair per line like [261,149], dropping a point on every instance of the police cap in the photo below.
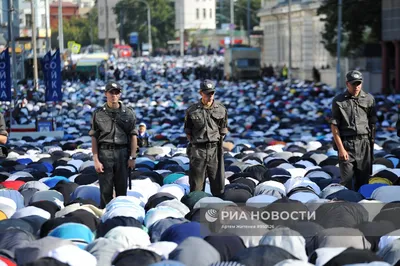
[113,86]
[207,86]
[354,76]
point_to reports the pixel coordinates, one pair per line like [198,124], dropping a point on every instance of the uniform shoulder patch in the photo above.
[130,109]
[218,104]
[192,107]
[98,109]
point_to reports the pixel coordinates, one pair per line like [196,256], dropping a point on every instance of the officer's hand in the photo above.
[99,167]
[131,164]
[343,155]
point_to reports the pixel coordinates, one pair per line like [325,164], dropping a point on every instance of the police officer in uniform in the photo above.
[205,127]
[353,121]
[114,143]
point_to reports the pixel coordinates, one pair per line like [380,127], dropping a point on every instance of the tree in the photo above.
[361,21]
[134,16]
[83,30]
[240,8]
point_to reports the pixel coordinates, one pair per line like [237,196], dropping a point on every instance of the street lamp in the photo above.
[148,24]
[182,30]
[232,28]
[60,27]
[12,40]
[35,65]
[339,33]
[290,42]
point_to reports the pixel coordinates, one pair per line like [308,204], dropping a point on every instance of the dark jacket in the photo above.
[353,115]
[206,125]
[113,126]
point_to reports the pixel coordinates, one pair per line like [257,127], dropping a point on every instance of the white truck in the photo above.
[145,49]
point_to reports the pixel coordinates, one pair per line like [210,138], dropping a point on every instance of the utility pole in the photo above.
[181,28]
[91,28]
[221,8]
[339,33]
[106,42]
[60,27]
[248,22]
[149,24]
[35,65]
[46,8]
[232,28]
[12,40]
[121,23]
[290,42]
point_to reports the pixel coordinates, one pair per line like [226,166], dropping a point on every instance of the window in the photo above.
[244,63]
[204,13]
[28,20]
[197,13]
[210,12]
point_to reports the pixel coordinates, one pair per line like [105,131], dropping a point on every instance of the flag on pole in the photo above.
[45,65]
[52,77]
[5,76]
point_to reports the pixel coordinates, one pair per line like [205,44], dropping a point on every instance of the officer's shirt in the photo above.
[206,124]
[112,125]
[352,114]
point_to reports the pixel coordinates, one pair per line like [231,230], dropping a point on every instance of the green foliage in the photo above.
[79,29]
[134,17]
[361,24]
[240,8]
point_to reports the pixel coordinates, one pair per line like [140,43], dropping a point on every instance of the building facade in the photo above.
[390,46]
[69,10]
[25,23]
[306,27]
[195,14]
[4,18]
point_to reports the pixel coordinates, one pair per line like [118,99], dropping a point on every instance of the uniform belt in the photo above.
[354,137]
[110,146]
[206,145]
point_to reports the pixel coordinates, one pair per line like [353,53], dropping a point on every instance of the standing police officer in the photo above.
[205,127]
[114,143]
[353,122]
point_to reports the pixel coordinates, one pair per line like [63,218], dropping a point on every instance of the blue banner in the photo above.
[5,76]
[45,65]
[133,38]
[52,77]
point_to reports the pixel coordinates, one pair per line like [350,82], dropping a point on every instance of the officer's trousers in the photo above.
[115,173]
[204,163]
[358,165]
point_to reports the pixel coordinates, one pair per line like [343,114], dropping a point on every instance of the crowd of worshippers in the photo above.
[50,215]
[278,159]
